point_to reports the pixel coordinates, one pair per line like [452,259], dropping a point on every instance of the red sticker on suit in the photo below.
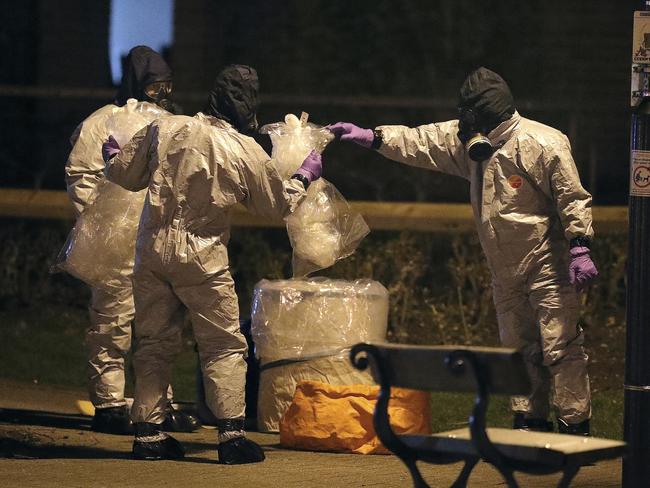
[515,181]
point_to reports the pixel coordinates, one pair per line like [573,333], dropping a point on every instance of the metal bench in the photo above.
[484,371]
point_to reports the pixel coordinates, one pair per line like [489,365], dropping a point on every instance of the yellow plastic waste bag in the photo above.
[325,417]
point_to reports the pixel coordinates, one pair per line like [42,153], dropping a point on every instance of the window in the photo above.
[134,23]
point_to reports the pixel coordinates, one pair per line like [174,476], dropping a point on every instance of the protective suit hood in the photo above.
[234,97]
[142,67]
[505,130]
[488,96]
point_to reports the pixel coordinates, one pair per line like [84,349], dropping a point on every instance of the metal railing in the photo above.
[395,216]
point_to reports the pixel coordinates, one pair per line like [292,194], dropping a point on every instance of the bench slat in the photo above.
[541,448]
[424,368]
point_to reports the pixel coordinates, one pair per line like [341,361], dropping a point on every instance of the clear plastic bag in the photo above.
[293,141]
[316,317]
[324,228]
[100,249]
[303,329]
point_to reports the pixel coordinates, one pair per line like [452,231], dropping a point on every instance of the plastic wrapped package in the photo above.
[293,141]
[303,329]
[100,249]
[324,228]
[304,318]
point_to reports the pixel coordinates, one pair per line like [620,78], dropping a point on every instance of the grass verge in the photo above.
[45,345]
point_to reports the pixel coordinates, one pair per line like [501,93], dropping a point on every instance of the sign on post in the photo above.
[640,173]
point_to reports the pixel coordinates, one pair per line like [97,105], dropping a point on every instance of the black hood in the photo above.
[142,67]
[234,97]
[488,96]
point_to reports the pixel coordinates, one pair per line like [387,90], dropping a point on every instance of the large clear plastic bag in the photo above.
[316,317]
[303,329]
[100,249]
[324,228]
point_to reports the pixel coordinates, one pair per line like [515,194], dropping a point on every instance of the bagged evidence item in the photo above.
[303,318]
[303,329]
[293,140]
[324,228]
[100,249]
[325,417]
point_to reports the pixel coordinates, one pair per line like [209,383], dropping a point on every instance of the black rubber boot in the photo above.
[240,451]
[153,444]
[112,420]
[581,428]
[179,421]
[533,424]
[237,450]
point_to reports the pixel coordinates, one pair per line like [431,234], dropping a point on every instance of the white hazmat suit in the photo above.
[196,169]
[108,339]
[528,204]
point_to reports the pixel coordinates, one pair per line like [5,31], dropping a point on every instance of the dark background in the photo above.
[370,62]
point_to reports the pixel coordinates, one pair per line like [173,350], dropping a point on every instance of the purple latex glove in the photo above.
[110,148]
[312,167]
[350,132]
[582,269]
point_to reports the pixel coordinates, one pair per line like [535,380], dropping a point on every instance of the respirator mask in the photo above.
[159,93]
[484,102]
[473,135]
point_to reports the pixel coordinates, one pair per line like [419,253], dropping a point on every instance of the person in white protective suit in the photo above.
[534,222]
[146,78]
[196,169]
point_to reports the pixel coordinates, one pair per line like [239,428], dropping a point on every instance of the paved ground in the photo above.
[58,450]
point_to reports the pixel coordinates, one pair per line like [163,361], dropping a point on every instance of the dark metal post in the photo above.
[636,466]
